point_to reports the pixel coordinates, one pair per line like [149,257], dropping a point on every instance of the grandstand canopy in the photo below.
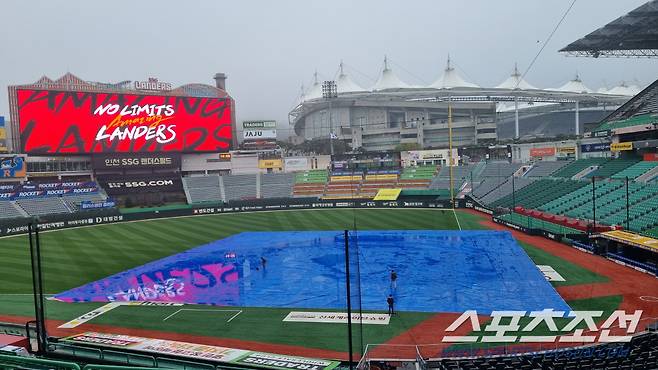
[451,79]
[515,81]
[345,84]
[632,35]
[645,102]
[575,85]
[388,80]
[315,91]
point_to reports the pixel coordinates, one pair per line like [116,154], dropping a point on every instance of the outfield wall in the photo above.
[63,221]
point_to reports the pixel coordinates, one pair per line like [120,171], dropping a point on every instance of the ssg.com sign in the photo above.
[139,184]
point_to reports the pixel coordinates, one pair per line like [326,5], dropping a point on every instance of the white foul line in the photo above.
[237,312]
[457,218]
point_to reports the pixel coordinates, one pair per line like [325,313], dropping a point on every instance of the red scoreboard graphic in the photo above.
[73,122]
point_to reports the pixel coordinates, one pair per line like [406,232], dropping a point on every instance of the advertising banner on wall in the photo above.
[542,152]
[623,146]
[653,157]
[71,122]
[141,184]
[203,352]
[136,161]
[597,147]
[296,164]
[259,130]
[270,163]
[567,150]
[13,166]
[3,135]
[88,204]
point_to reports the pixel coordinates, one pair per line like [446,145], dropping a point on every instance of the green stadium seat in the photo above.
[575,167]
[635,170]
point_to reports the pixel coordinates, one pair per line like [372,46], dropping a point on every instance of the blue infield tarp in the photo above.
[438,271]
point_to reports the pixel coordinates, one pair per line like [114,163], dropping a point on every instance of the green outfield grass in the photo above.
[74,257]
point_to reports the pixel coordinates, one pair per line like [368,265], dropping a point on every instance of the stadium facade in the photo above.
[393,112]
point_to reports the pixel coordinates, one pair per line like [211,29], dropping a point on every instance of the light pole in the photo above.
[330,92]
[513,197]
[594,204]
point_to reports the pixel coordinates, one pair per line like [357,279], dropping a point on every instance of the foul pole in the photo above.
[450,159]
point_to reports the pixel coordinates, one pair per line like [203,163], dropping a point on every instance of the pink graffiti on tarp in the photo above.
[213,283]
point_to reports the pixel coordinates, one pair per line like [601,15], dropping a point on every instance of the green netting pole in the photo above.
[627,208]
[349,303]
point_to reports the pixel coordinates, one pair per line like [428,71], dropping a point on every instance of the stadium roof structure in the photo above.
[575,85]
[632,35]
[388,80]
[451,79]
[69,81]
[345,84]
[624,89]
[315,91]
[515,81]
[637,111]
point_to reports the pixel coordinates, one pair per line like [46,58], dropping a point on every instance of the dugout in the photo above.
[637,251]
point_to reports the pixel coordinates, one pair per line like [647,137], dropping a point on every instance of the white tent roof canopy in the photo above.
[344,84]
[315,91]
[450,79]
[624,89]
[388,80]
[514,81]
[575,85]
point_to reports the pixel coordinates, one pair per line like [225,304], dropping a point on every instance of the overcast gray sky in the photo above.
[268,48]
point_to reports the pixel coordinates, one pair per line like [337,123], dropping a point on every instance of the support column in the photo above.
[516,117]
[577,118]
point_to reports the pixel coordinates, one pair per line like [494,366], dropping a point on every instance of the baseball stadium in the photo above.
[138,232]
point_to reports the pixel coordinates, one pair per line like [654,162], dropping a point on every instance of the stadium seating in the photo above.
[200,189]
[276,185]
[416,177]
[612,167]
[458,172]
[640,353]
[635,170]
[444,183]
[418,172]
[641,120]
[43,206]
[538,193]
[240,187]
[8,209]
[652,232]
[312,176]
[310,183]
[536,223]
[487,185]
[578,204]
[500,191]
[500,169]
[575,167]
[73,201]
[372,183]
[545,168]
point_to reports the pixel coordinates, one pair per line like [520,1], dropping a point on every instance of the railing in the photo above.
[128,360]
[421,354]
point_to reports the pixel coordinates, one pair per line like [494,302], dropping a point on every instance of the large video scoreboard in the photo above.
[75,122]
